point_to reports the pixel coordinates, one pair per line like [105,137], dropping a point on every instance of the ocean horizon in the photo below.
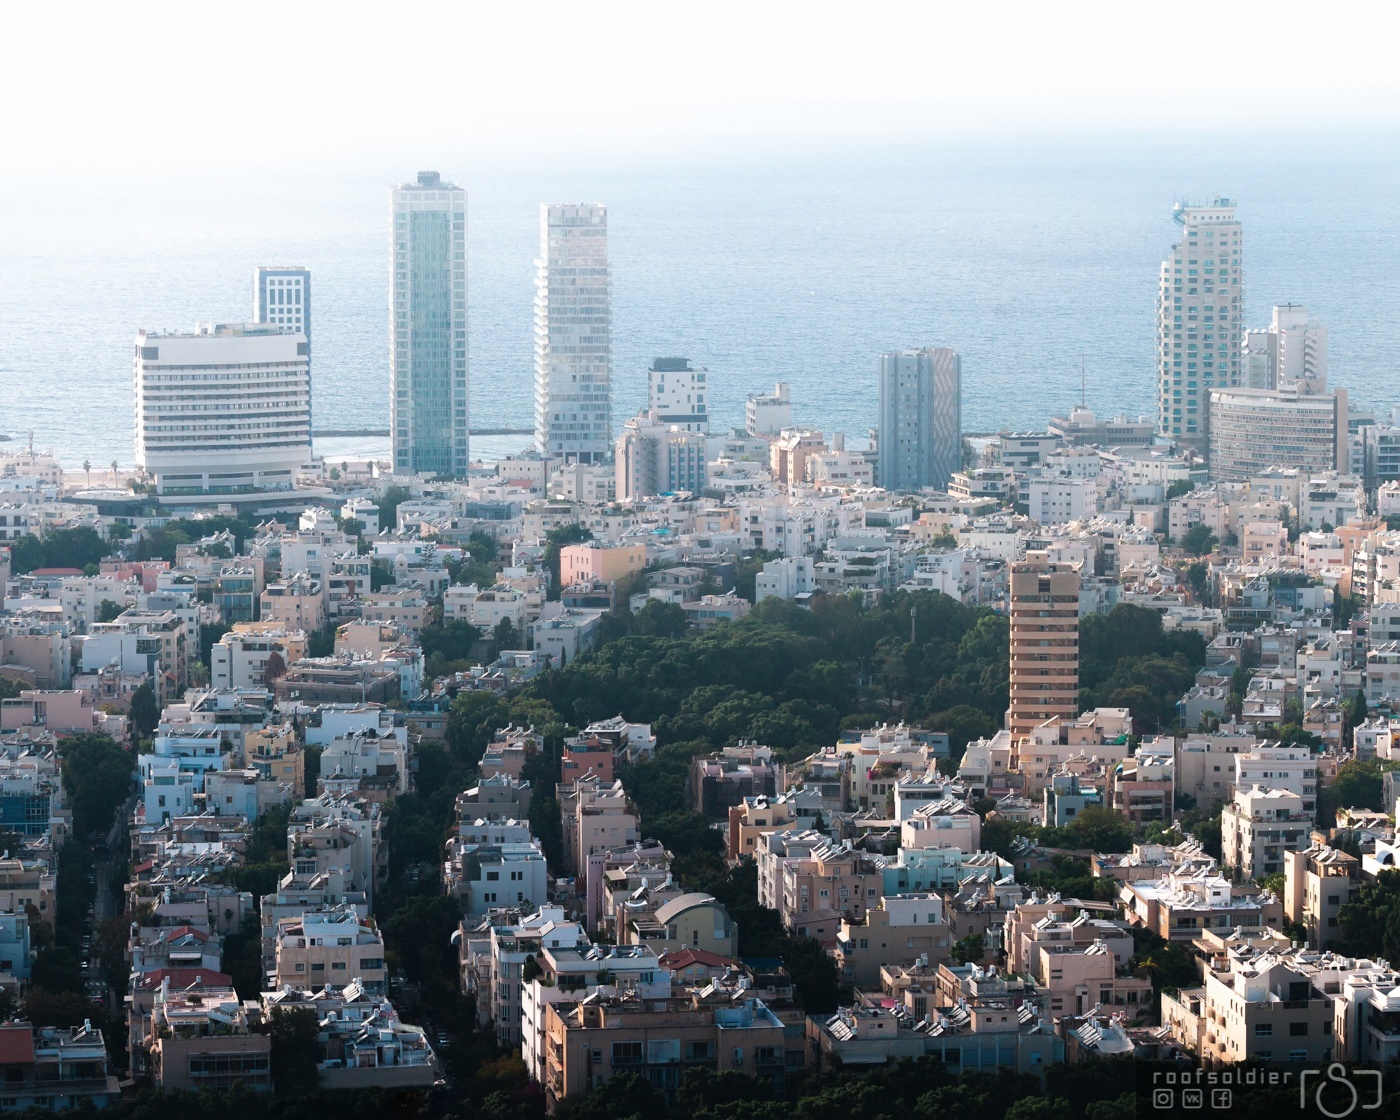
[1028,257]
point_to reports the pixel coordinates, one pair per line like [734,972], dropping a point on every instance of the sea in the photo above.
[1036,257]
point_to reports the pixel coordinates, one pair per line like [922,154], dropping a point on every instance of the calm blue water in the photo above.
[798,267]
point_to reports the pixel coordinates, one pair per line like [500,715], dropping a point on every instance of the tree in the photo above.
[556,540]
[97,775]
[389,502]
[296,1051]
[969,949]
[108,610]
[145,711]
[1198,578]
[1198,540]
[274,669]
[1370,919]
[1179,487]
[87,470]
[505,636]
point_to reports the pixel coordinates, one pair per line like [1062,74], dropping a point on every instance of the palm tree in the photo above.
[87,469]
[114,472]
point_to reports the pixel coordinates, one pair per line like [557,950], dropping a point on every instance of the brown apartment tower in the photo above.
[1044,642]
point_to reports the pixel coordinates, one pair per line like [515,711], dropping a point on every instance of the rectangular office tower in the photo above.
[223,409]
[1044,616]
[920,433]
[428,327]
[282,296]
[573,334]
[1200,319]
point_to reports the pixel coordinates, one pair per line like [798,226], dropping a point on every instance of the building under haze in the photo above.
[920,432]
[1044,617]
[282,296]
[677,394]
[1200,319]
[1291,348]
[769,414]
[223,409]
[428,417]
[1301,424]
[573,334]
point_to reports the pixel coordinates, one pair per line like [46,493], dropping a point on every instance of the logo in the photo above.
[1338,1096]
[1163,1098]
[1193,1098]
[1222,1099]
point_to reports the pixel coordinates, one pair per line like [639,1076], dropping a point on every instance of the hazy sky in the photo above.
[142,86]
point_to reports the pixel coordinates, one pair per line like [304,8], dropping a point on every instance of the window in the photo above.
[1297,1029]
[1263,1030]
[626,1053]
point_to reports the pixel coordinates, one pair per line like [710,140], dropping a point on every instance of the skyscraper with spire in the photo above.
[1200,319]
[573,334]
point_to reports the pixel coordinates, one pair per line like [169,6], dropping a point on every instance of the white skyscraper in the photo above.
[428,417]
[1200,319]
[223,409]
[676,394]
[573,334]
[920,434]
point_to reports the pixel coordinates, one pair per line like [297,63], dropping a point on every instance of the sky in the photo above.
[138,88]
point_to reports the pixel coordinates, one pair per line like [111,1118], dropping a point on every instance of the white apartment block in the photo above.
[224,409]
[1259,826]
[1286,768]
[428,417]
[573,334]
[785,579]
[768,414]
[677,394]
[1292,348]
[1055,500]
[1200,318]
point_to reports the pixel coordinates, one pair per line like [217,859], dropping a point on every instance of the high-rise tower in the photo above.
[428,417]
[573,334]
[1200,319]
[1044,618]
[920,437]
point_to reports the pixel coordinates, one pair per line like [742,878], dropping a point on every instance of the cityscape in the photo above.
[663,758]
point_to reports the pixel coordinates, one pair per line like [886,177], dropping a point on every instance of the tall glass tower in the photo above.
[920,435]
[428,326]
[573,334]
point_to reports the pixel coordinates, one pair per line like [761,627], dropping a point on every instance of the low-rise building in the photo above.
[54,1068]
[200,1040]
[1259,826]
[329,948]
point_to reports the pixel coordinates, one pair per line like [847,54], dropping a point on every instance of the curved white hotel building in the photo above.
[223,409]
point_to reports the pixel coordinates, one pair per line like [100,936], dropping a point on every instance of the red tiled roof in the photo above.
[181,978]
[17,1045]
[684,958]
[56,572]
[181,931]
